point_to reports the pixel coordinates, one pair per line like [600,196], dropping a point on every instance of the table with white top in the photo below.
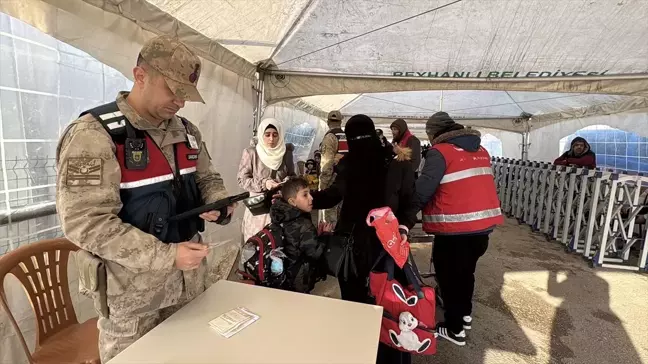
[292,328]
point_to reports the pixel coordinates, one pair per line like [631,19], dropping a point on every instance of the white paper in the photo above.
[233,321]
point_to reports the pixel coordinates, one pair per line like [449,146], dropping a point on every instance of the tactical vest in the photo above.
[343,146]
[150,191]
[466,200]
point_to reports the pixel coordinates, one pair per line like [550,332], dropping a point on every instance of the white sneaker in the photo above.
[467,322]
[457,339]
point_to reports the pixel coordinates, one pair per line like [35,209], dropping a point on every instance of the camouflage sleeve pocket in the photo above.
[92,279]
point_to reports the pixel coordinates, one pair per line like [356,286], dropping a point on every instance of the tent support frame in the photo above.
[634,76]
[525,146]
[258,107]
[526,135]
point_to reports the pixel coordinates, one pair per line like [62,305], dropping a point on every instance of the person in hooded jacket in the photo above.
[579,154]
[405,139]
[460,206]
[303,244]
[370,176]
[383,140]
[264,166]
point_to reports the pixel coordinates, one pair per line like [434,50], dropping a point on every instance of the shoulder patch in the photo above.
[81,172]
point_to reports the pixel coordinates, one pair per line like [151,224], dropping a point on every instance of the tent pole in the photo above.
[441,102]
[258,108]
[633,76]
[525,146]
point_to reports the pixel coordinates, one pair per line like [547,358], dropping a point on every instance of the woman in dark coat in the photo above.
[369,176]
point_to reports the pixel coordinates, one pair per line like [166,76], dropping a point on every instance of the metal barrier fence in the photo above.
[27,207]
[600,215]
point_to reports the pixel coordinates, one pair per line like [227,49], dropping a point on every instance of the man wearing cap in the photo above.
[404,138]
[460,207]
[124,169]
[333,148]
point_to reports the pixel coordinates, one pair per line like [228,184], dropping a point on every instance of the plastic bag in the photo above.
[386,225]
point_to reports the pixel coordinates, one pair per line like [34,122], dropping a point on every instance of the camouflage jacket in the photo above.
[328,148]
[141,272]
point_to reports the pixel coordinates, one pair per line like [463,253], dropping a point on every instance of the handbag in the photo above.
[408,310]
[260,204]
[339,256]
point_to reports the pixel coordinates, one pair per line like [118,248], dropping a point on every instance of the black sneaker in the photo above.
[467,322]
[457,339]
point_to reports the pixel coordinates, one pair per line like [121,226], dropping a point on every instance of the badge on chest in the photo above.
[136,153]
[193,143]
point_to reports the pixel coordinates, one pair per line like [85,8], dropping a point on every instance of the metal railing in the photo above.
[28,207]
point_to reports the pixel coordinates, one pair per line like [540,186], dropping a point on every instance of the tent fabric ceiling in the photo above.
[490,59]
[370,37]
[470,35]
[472,104]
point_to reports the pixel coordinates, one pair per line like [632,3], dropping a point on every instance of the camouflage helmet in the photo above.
[177,64]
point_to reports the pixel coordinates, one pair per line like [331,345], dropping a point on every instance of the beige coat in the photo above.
[252,177]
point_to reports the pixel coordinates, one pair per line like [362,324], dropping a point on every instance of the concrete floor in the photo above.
[534,303]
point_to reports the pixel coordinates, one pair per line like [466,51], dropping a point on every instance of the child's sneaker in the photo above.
[457,339]
[467,322]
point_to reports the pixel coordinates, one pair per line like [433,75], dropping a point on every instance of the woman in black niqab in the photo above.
[368,177]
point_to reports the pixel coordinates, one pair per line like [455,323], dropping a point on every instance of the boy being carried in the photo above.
[303,247]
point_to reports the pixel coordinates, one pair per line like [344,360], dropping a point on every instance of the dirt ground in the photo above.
[534,303]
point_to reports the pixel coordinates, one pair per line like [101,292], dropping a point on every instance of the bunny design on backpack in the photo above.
[407,339]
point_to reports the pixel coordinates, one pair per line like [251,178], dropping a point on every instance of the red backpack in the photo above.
[408,322]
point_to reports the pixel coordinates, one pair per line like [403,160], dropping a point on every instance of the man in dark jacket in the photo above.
[405,139]
[580,154]
[460,207]
[381,136]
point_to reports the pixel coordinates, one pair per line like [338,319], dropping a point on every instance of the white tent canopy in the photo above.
[563,64]
[483,61]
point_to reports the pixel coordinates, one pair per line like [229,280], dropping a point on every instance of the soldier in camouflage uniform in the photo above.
[101,178]
[302,245]
[330,157]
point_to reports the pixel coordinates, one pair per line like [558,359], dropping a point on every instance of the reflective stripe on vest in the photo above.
[466,173]
[470,216]
[466,199]
[158,169]
[343,146]
[154,180]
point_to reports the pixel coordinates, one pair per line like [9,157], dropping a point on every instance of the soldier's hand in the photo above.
[210,215]
[214,215]
[190,254]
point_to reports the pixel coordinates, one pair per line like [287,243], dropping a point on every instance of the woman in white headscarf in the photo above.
[264,165]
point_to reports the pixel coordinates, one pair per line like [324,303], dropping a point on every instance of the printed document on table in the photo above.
[233,321]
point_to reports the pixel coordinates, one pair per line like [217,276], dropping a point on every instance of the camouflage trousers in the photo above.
[118,333]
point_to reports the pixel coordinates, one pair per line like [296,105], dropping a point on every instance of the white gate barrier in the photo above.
[600,215]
